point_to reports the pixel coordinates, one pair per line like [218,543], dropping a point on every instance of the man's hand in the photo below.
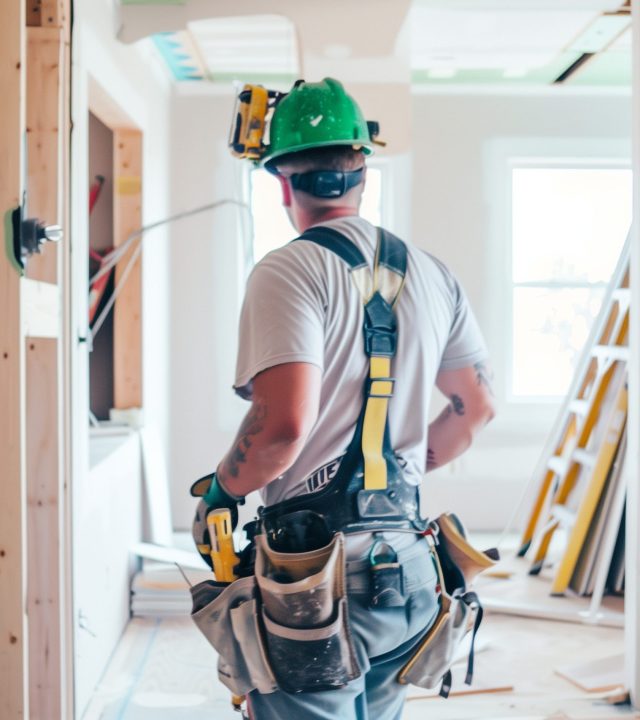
[212,497]
[471,407]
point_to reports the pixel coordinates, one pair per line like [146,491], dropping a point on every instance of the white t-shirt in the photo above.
[301,305]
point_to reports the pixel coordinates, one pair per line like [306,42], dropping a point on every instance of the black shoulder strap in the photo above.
[336,242]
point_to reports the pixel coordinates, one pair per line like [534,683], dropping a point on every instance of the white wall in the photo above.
[139,87]
[207,273]
[462,143]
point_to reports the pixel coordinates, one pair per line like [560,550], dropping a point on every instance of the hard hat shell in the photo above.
[313,115]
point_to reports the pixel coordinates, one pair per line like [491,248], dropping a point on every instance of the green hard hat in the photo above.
[313,115]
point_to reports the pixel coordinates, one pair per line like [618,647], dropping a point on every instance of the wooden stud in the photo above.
[43,528]
[127,217]
[47,13]
[13,679]
[45,63]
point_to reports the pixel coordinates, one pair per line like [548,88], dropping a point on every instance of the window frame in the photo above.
[540,162]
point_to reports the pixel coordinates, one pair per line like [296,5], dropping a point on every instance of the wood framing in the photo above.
[127,217]
[43,529]
[13,627]
[45,100]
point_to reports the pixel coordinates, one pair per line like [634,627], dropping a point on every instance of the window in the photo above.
[271,226]
[569,225]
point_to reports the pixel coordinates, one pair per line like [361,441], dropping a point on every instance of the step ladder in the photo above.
[579,452]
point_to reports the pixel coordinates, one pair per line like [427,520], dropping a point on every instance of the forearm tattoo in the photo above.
[431,460]
[251,426]
[457,405]
[484,376]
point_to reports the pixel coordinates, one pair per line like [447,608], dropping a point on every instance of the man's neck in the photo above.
[327,214]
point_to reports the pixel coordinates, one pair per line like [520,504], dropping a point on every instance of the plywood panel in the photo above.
[45,68]
[127,217]
[43,528]
[13,702]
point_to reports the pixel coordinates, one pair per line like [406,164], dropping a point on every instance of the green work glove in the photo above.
[212,497]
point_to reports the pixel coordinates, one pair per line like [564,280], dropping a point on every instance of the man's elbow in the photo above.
[290,431]
[488,411]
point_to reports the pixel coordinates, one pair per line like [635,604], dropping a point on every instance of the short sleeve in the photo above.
[282,318]
[465,345]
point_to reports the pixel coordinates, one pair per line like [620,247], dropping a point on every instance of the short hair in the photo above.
[342,158]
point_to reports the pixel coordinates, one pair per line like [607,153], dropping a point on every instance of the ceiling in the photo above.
[452,42]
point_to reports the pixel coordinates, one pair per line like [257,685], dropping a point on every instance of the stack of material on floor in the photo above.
[580,478]
[160,590]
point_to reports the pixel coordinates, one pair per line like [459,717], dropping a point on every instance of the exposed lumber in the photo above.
[45,74]
[43,528]
[13,682]
[47,13]
[127,217]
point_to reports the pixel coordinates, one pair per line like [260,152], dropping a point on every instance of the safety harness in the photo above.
[368,491]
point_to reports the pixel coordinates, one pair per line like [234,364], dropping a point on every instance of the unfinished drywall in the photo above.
[461,214]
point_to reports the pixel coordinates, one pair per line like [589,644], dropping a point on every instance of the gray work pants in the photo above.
[385,640]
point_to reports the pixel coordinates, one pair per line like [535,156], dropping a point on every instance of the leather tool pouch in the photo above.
[304,616]
[460,612]
[227,615]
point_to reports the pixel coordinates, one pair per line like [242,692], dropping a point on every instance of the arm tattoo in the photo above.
[251,425]
[484,376]
[457,405]
[431,460]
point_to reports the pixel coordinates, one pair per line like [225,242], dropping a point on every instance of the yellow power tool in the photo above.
[250,120]
[223,554]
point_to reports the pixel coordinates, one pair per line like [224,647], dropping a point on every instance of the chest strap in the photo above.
[379,291]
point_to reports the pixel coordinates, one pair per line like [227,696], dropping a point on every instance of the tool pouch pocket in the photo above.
[304,617]
[460,612]
[435,654]
[227,616]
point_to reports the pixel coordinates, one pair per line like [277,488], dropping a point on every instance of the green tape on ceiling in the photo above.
[179,62]
[607,70]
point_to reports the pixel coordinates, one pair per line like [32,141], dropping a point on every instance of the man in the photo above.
[302,365]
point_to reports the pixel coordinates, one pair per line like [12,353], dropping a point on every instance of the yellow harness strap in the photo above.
[375,421]
[389,285]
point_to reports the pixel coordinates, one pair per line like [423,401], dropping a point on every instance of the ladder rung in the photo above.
[579,406]
[584,457]
[622,293]
[614,352]
[563,515]
[558,464]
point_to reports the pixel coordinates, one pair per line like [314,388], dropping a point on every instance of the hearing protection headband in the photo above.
[326,183]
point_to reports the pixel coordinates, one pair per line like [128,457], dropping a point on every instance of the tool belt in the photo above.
[368,492]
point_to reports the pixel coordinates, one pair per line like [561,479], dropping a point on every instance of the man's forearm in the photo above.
[260,453]
[449,436]
[470,408]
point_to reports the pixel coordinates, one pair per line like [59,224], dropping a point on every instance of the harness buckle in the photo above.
[381,387]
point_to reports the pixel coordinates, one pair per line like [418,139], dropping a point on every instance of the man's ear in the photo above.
[286,190]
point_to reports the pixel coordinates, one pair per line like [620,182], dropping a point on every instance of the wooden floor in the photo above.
[164,670]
